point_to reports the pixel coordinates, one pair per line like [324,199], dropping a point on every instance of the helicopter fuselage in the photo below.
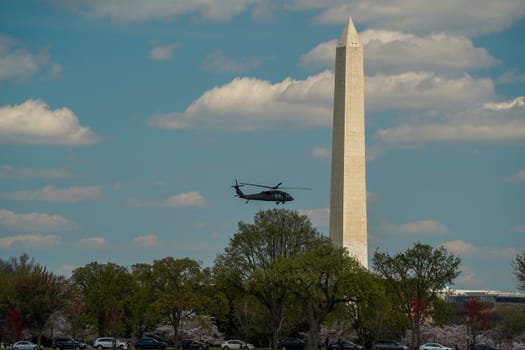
[276,196]
[270,196]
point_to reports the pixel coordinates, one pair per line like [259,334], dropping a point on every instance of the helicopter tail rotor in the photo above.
[237,189]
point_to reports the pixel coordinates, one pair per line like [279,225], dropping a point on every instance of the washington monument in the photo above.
[348,224]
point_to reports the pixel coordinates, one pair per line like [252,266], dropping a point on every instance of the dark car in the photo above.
[387,344]
[192,344]
[60,343]
[291,343]
[345,345]
[149,343]
[483,347]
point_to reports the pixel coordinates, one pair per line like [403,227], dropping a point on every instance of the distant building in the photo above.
[453,296]
[492,300]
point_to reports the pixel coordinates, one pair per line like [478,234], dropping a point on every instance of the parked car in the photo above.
[234,344]
[483,347]
[109,343]
[150,343]
[345,345]
[60,343]
[387,344]
[24,345]
[434,346]
[291,343]
[192,344]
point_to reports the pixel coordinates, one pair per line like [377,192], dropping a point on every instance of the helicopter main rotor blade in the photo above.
[263,186]
[295,188]
[278,186]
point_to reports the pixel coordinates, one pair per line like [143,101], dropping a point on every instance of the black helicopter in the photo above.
[271,195]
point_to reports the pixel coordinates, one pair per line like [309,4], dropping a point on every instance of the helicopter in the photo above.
[274,194]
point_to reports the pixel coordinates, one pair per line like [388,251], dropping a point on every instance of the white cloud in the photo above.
[93,242]
[50,194]
[66,270]
[516,103]
[18,63]
[34,222]
[32,122]
[393,51]
[323,55]
[424,90]
[491,122]
[138,10]
[459,247]
[453,16]
[519,176]
[187,199]
[218,62]
[146,241]
[517,229]
[30,241]
[468,277]
[428,227]
[463,248]
[511,76]
[319,152]
[11,172]
[457,16]
[318,217]
[162,52]
[247,104]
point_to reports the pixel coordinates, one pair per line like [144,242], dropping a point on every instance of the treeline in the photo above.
[277,277]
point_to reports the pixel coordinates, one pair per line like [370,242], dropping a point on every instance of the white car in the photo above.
[234,344]
[433,346]
[107,343]
[24,345]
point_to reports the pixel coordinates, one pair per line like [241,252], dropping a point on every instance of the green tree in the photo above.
[180,288]
[325,275]
[519,269]
[144,317]
[373,315]
[256,254]
[510,322]
[105,289]
[416,276]
[11,318]
[38,293]
[30,294]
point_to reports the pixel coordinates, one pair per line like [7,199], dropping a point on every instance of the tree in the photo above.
[29,296]
[371,317]
[256,258]
[11,318]
[144,317]
[179,287]
[105,290]
[519,269]
[325,275]
[416,276]
[38,294]
[477,317]
[510,321]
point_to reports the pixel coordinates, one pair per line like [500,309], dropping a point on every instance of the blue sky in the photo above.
[123,125]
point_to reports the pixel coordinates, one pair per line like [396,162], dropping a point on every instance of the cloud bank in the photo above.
[33,122]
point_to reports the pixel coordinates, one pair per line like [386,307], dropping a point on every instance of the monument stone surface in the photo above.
[348,223]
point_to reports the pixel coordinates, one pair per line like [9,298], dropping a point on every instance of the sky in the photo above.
[124,124]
